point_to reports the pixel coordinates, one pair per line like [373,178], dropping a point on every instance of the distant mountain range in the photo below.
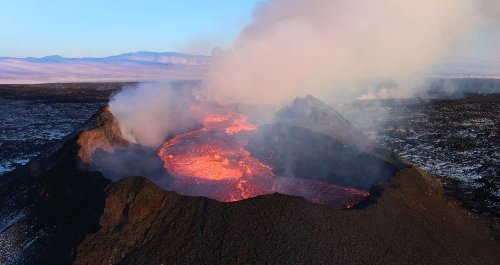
[468,68]
[141,66]
[134,66]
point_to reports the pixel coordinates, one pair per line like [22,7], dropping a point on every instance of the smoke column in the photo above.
[334,49]
[148,113]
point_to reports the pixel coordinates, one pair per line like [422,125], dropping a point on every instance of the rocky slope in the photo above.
[49,205]
[57,210]
[411,222]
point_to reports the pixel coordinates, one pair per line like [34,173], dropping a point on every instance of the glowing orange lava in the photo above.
[213,162]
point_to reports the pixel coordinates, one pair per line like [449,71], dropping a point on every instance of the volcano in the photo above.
[64,207]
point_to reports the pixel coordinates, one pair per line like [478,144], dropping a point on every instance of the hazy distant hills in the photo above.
[469,68]
[138,66]
[134,66]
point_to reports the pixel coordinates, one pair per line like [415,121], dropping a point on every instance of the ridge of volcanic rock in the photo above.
[105,136]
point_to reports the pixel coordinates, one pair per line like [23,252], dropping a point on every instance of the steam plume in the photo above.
[332,49]
[335,48]
[147,114]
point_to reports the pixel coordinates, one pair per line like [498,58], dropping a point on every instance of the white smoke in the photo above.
[335,49]
[332,49]
[148,113]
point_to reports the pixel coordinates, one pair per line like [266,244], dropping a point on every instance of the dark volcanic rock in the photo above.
[312,113]
[311,140]
[455,139]
[62,92]
[49,206]
[411,223]
[299,152]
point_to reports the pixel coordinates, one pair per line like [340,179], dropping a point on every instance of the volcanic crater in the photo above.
[227,158]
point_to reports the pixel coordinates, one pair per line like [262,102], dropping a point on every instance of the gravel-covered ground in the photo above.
[28,127]
[456,139]
[34,117]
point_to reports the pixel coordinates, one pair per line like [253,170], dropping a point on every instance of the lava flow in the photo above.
[213,162]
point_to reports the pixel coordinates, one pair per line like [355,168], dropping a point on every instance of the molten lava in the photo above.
[213,162]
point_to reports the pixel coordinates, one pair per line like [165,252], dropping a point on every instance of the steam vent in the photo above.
[308,188]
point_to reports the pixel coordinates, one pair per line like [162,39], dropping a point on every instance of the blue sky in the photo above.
[78,28]
[106,27]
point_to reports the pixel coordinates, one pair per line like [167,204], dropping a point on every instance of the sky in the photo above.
[75,28]
[97,28]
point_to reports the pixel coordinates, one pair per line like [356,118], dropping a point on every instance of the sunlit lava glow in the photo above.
[213,162]
[231,123]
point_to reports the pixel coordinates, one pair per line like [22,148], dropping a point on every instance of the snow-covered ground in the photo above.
[137,66]
[140,66]
[457,139]
[29,127]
